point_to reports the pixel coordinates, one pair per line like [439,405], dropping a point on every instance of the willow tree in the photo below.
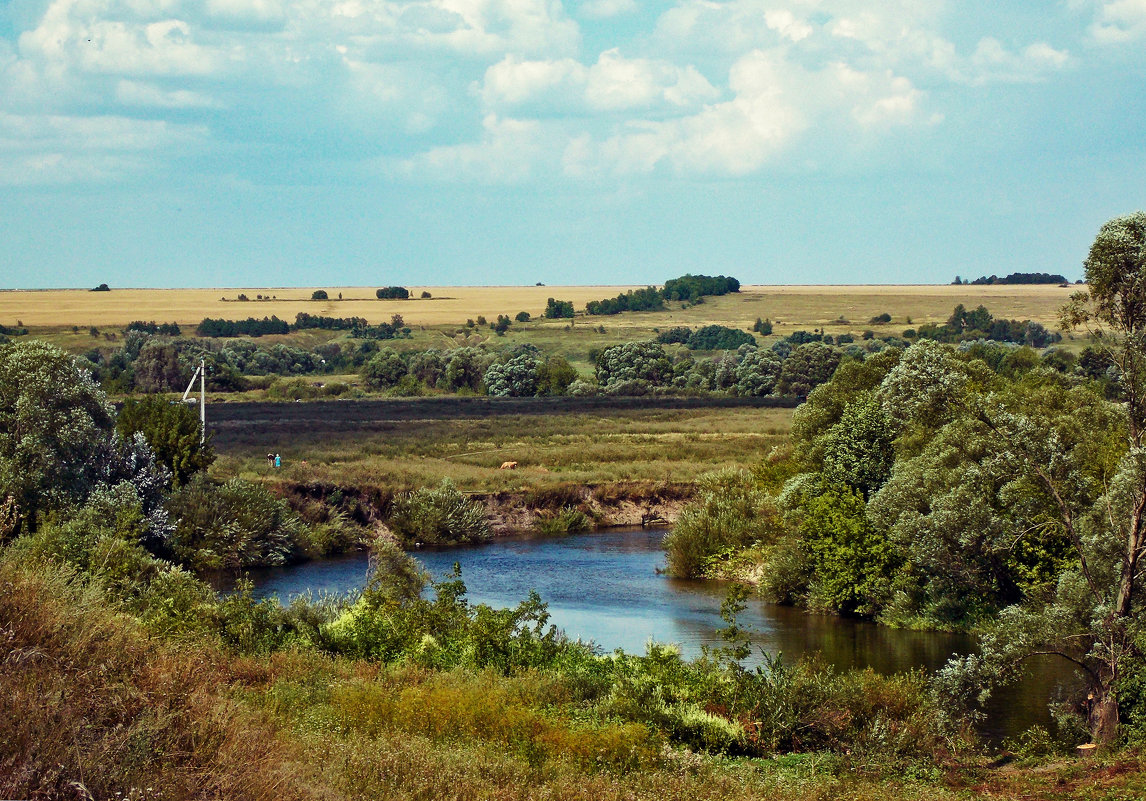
[1094,615]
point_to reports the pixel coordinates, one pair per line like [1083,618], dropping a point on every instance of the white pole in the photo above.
[202,402]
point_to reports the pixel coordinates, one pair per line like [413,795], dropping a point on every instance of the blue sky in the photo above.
[368,142]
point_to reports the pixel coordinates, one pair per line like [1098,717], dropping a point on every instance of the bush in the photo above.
[522,317]
[514,378]
[426,295]
[558,309]
[678,335]
[763,327]
[384,370]
[719,337]
[729,513]
[438,516]
[393,293]
[232,526]
[568,520]
[173,432]
[319,294]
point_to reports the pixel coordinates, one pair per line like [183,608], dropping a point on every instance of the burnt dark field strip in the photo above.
[233,422]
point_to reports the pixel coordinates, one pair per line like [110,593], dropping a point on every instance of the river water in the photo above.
[606,587]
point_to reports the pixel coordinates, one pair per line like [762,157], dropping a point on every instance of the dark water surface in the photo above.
[605,587]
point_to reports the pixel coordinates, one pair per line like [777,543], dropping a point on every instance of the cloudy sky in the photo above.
[266,142]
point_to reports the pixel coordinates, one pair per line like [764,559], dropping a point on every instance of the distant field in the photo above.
[837,308]
[416,442]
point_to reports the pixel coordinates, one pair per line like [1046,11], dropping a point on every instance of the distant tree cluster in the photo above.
[319,294]
[303,321]
[13,331]
[101,288]
[763,327]
[393,293]
[558,309]
[964,325]
[647,299]
[251,327]
[694,287]
[710,337]
[688,288]
[163,329]
[1015,278]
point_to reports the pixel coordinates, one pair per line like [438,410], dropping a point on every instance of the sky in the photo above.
[159,143]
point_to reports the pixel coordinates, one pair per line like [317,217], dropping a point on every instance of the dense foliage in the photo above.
[393,293]
[557,309]
[251,327]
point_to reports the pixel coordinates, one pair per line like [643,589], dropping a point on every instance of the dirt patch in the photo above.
[629,503]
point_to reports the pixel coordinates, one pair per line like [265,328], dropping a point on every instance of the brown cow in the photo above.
[508,466]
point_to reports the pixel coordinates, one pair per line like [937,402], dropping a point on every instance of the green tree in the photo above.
[385,369]
[1093,617]
[852,560]
[319,294]
[172,430]
[53,421]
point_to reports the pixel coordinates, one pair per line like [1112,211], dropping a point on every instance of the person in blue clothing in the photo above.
[278,461]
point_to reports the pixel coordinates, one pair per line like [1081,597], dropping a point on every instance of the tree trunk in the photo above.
[1103,719]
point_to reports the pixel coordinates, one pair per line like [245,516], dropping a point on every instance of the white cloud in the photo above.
[1120,21]
[613,84]
[39,149]
[138,93]
[993,63]
[774,103]
[508,152]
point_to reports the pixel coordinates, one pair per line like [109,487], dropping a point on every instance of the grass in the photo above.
[93,706]
[608,446]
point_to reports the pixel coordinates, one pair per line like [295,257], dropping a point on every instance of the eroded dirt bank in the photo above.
[629,503]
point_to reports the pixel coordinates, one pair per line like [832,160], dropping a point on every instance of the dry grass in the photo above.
[93,708]
[668,445]
[792,306]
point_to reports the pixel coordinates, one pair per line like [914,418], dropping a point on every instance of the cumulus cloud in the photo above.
[1120,21]
[993,63]
[613,84]
[507,152]
[774,102]
[39,149]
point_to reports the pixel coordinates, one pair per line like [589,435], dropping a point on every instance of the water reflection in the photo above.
[606,588]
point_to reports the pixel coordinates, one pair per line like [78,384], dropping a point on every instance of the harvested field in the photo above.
[838,308]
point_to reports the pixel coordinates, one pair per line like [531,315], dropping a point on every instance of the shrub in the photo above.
[426,295]
[173,432]
[763,327]
[319,294]
[514,378]
[392,293]
[719,337]
[438,516]
[729,513]
[568,520]
[384,370]
[232,526]
[522,317]
[557,309]
[677,335]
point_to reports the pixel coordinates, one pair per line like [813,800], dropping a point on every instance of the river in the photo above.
[606,587]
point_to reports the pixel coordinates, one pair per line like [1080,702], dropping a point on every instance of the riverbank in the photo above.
[507,513]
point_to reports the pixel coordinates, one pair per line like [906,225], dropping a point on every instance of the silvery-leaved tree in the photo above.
[1092,616]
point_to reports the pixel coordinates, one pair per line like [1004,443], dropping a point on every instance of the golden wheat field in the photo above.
[790,307]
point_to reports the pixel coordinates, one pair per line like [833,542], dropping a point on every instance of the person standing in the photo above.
[278,461]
